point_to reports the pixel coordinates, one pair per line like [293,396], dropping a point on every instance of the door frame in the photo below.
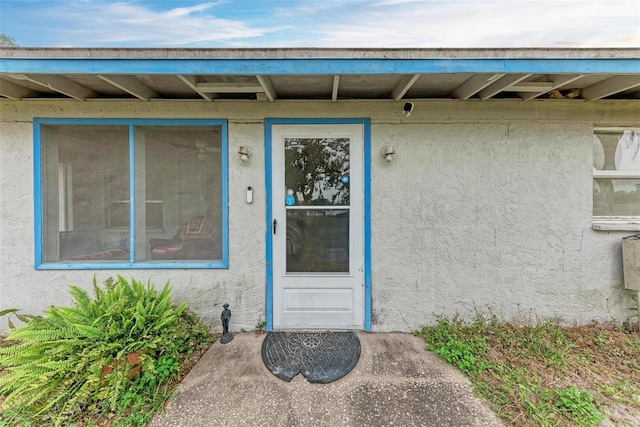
[366,133]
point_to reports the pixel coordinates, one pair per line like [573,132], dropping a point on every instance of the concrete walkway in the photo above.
[395,383]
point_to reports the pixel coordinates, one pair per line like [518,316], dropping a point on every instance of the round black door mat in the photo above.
[321,357]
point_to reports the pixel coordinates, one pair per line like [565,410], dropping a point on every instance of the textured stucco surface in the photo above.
[485,208]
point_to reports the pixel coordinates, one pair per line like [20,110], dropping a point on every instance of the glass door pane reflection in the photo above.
[317,170]
[317,241]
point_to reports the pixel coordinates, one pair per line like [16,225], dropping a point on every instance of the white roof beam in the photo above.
[191,82]
[403,86]
[529,87]
[558,82]
[131,85]
[501,84]
[334,90]
[267,87]
[14,91]
[474,85]
[229,88]
[610,87]
[61,85]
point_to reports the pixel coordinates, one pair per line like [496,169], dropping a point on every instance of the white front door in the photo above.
[317,211]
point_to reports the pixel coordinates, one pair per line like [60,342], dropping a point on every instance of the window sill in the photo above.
[616,225]
[115,265]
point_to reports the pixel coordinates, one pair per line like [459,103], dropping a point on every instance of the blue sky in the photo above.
[322,23]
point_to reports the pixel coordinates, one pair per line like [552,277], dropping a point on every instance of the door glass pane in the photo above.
[317,171]
[317,240]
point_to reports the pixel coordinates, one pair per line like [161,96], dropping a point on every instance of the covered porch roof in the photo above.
[274,74]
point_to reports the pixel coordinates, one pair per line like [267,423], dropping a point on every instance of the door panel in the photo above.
[318,299]
[318,226]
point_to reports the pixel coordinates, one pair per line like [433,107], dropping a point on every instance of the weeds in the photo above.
[260,326]
[449,341]
[545,374]
[578,405]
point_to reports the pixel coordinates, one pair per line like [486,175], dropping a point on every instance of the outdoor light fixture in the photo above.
[245,153]
[387,153]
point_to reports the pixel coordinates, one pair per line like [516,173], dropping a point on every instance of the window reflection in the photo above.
[317,170]
[318,240]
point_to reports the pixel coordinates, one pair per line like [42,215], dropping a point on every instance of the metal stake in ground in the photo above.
[225,317]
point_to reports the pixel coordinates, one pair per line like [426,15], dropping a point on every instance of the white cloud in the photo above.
[328,23]
[183,11]
[488,23]
[394,2]
[94,23]
[313,11]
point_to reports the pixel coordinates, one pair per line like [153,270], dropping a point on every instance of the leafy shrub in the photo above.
[73,360]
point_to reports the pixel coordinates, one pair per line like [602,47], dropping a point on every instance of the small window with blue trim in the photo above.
[131,193]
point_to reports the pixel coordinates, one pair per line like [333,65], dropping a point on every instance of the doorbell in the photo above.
[249,195]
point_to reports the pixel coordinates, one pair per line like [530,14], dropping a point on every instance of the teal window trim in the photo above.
[130,264]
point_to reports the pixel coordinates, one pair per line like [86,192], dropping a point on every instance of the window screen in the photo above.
[132,193]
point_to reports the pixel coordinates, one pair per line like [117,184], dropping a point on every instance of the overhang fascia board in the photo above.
[340,66]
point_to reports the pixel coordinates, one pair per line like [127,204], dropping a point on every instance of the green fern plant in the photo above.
[57,366]
[25,318]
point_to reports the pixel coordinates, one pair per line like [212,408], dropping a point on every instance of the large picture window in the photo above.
[616,178]
[131,193]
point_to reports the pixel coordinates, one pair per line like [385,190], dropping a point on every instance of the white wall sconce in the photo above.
[387,153]
[245,153]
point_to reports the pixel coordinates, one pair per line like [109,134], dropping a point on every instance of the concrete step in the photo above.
[395,383]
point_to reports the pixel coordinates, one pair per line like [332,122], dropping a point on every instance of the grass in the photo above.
[546,375]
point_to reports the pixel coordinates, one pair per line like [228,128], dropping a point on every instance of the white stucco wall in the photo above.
[486,207]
